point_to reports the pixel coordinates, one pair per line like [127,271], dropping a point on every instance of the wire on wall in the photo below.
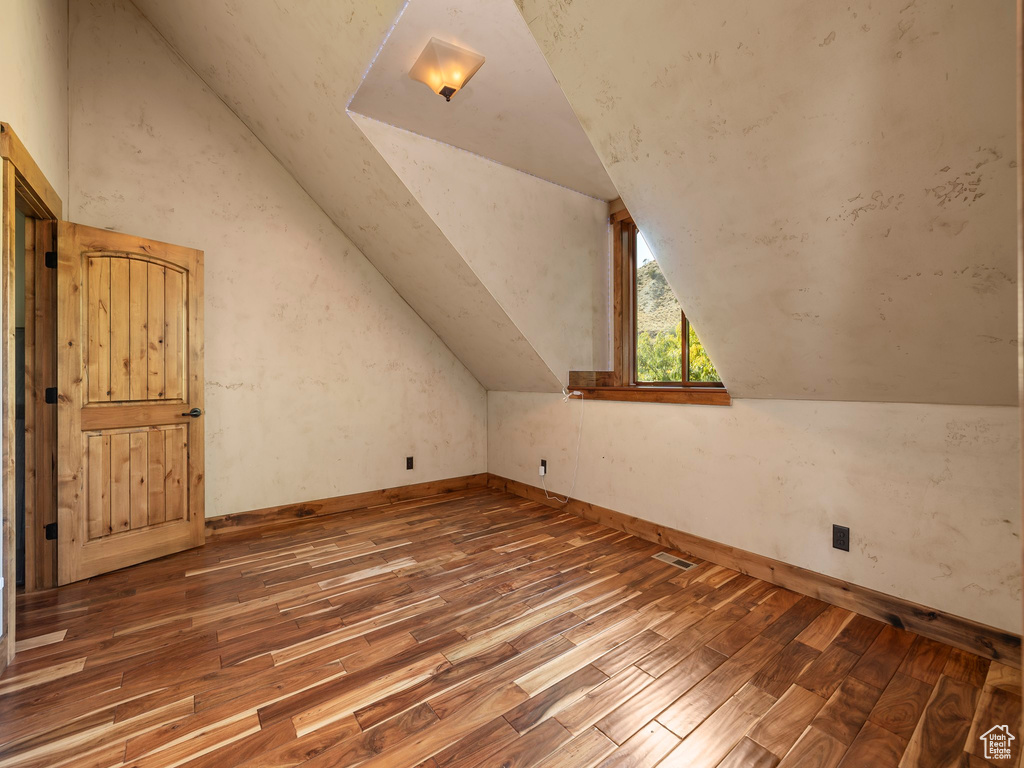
[579,438]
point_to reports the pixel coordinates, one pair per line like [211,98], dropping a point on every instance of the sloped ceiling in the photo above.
[541,250]
[512,111]
[829,188]
[288,71]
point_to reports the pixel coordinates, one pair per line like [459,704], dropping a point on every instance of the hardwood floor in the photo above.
[475,629]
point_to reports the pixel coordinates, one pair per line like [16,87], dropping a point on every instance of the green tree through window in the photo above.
[701,367]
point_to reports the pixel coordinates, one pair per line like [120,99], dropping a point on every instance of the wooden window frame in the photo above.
[620,383]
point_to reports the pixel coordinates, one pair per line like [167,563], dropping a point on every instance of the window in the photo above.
[660,326]
[658,356]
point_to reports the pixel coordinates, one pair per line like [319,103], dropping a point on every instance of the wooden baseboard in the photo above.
[219,526]
[985,641]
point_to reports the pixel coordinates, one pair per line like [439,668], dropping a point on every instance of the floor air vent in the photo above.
[678,562]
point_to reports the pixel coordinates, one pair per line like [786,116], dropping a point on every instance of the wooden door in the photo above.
[129,371]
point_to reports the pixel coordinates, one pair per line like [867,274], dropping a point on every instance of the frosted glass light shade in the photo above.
[445,68]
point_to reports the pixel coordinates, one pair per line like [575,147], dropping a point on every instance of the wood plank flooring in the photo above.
[475,629]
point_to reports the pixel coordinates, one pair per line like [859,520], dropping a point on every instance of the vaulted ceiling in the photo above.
[288,71]
[512,111]
[830,190]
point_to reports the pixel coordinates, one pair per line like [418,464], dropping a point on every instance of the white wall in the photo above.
[320,378]
[540,249]
[929,492]
[34,86]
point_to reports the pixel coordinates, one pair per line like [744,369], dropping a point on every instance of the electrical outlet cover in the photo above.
[841,537]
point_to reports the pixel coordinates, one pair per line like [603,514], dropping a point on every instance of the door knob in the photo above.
[195,413]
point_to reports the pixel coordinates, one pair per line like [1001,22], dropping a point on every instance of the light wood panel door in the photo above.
[130,399]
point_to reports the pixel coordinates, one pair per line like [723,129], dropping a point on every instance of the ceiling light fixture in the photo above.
[445,68]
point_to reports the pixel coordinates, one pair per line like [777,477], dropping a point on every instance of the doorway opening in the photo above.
[35,424]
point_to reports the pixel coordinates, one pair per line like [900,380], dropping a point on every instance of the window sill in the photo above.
[679,395]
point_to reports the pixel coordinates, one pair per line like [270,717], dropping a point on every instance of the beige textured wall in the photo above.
[540,249]
[929,492]
[34,86]
[320,378]
[830,187]
[289,76]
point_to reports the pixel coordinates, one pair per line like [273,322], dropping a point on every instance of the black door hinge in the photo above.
[51,531]
[51,260]
[50,395]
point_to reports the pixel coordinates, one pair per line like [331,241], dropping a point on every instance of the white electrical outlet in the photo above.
[543,469]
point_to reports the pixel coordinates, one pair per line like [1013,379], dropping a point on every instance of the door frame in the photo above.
[26,189]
